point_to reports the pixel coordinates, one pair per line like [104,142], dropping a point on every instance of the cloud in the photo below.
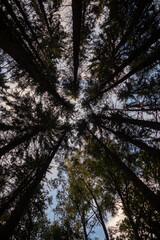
[113,220]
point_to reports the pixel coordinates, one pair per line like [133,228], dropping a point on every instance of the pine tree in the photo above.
[80,81]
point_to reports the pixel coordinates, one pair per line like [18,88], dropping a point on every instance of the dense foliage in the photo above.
[79,88]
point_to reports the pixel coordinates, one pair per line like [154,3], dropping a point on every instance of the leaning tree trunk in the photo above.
[45,17]
[99,212]
[6,127]
[141,123]
[84,224]
[138,143]
[19,140]
[137,52]
[19,190]
[7,230]
[129,215]
[18,24]
[150,59]
[137,14]
[27,22]
[149,195]
[14,46]
[77,17]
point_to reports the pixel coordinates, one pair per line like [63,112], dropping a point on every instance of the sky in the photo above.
[112,220]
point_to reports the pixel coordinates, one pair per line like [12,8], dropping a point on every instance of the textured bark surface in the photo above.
[149,195]
[77,19]
[7,230]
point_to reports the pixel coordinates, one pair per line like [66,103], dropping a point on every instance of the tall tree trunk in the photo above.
[138,143]
[19,140]
[99,212]
[45,17]
[77,19]
[20,189]
[27,22]
[6,127]
[141,123]
[149,195]
[13,46]
[150,59]
[126,209]
[141,109]
[127,206]
[84,225]
[7,230]
[137,14]
[137,52]
[99,218]
[82,216]
[18,24]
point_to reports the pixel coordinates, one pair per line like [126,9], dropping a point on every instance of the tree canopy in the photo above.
[79,88]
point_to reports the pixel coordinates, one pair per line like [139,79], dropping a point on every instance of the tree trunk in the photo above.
[18,24]
[13,46]
[7,230]
[126,209]
[150,59]
[26,21]
[99,212]
[135,21]
[141,123]
[45,17]
[138,143]
[77,17]
[149,195]
[19,140]
[20,189]
[84,225]
[137,52]
[5,127]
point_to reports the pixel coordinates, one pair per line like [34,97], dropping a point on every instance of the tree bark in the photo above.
[45,17]
[26,21]
[7,230]
[17,141]
[77,17]
[141,123]
[18,24]
[138,143]
[143,5]
[137,52]
[84,225]
[99,212]
[6,127]
[20,189]
[128,214]
[150,59]
[149,195]
[12,45]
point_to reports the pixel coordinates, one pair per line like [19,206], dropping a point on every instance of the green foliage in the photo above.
[79,88]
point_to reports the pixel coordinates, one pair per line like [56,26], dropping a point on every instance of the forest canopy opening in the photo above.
[79,89]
